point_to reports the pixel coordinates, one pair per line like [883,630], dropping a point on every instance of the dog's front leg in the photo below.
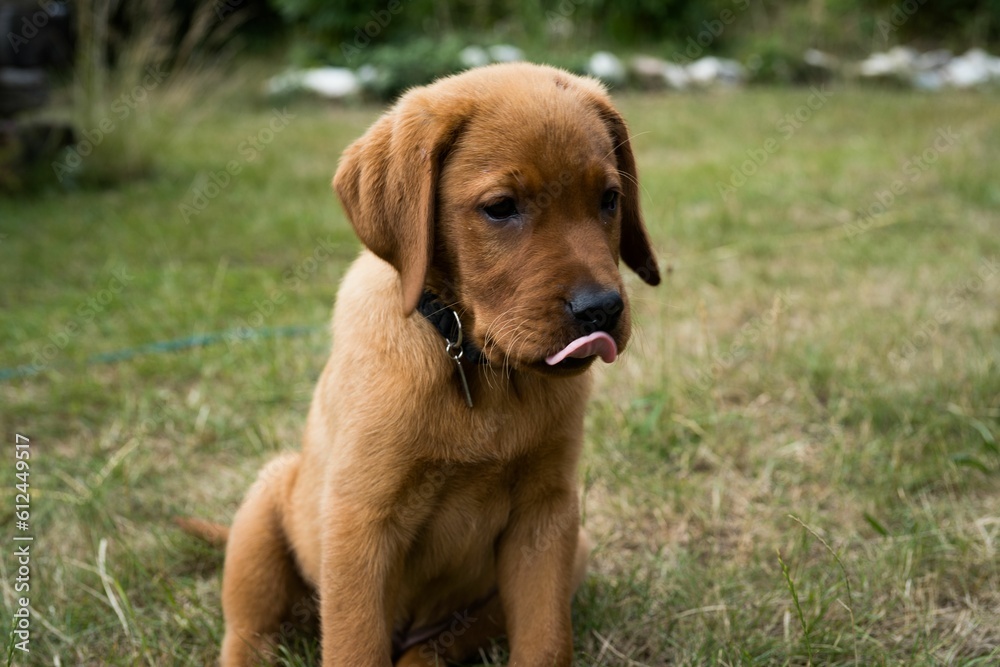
[360,573]
[535,578]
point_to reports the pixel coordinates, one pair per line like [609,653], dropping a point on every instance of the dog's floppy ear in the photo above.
[387,181]
[636,248]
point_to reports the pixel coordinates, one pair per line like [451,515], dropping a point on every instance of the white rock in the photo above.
[607,67]
[932,60]
[474,56]
[817,58]
[676,76]
[655,71]
[505,53]
[975,67]
[647,67]
[329,82]
[898,61]
[709,70]
[877,64]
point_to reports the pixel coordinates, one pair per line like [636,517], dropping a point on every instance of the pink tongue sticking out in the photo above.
[597,343]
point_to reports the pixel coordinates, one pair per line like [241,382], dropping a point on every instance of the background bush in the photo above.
[845,27]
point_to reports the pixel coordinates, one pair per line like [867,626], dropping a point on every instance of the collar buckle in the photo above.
[436,312]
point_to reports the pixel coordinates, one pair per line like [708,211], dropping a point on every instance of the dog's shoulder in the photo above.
[367,281]
[368,298]
[373,335]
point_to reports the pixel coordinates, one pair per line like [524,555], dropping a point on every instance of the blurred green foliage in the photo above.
[412,42]
[413,63]
[847,27]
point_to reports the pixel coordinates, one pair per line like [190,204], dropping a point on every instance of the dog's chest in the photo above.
[452,556]
[469,508]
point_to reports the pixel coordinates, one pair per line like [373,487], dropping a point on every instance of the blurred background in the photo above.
[63,63]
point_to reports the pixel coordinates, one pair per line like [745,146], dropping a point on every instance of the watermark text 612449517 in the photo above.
[22,540]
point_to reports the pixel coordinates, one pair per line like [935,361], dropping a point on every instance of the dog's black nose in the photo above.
[596,309]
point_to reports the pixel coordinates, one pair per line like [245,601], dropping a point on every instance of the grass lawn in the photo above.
[796,462]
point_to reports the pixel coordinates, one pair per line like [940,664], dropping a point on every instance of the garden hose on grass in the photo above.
[201,340]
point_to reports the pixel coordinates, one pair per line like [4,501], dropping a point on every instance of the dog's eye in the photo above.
[502,209]
[609,202]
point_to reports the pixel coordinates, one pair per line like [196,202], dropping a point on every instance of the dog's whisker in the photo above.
[509,325]
[624,141]
[502,327]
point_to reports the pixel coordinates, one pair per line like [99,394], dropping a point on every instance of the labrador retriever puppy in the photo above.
[434,504]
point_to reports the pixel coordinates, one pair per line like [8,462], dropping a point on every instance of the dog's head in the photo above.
[511,192]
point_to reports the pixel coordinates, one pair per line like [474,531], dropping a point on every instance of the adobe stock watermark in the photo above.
[742,344]
[363,35]
[956,300]
[207,187]
[121,107]
[568,519]
[30,25]
[302,614]
[913,168]
[23,541]
[711,31]
[450,630]
[264,308]
[898,14]
[548,194]
[562,11]
[786,127]
[86,311]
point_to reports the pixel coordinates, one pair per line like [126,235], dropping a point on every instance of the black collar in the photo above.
[443,318]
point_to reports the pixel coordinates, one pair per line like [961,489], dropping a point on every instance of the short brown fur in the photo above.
[426,528]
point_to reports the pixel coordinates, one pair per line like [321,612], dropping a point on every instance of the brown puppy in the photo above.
[495,206]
